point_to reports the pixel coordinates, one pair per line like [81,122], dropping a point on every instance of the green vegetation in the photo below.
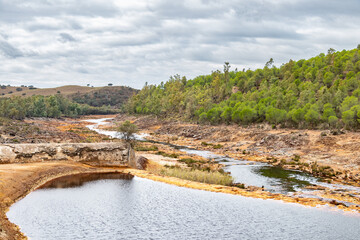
[196,175]
[127,130]
[146,148]
[164,154]
[321,92]
[215,146]
[114,97]
[45,106]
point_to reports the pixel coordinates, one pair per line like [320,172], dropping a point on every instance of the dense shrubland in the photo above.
[45,106]
[322,91]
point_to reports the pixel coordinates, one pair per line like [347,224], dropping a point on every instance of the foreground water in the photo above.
[144,209]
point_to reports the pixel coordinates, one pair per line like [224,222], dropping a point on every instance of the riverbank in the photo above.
[312,202]
[18,180]
[334,155]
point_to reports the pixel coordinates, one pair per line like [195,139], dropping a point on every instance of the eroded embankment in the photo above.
[18,180]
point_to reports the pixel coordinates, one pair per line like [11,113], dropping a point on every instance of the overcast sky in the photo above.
[51,43]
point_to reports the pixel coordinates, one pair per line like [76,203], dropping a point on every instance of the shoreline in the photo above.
[12,231]
[317,152]
[9,230]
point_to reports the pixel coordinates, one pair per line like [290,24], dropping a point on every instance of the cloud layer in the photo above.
[50,43]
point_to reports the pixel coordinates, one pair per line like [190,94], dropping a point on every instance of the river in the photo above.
[273,179]
[144,209]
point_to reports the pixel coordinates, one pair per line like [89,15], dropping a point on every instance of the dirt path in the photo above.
[17,180]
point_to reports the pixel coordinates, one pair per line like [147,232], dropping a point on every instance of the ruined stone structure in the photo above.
[97,154]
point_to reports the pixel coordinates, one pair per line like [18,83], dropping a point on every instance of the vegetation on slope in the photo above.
[322,91]
[107,96]
[113,96]
[53,106]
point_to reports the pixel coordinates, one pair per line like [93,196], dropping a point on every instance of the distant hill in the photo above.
[113,96]
[30,91]
[106,96]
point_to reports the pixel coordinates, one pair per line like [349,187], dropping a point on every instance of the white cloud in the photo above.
[51,43]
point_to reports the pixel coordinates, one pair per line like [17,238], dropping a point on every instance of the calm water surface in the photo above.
[144,209]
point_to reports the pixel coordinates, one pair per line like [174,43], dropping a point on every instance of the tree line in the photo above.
[321,92]
[54,106]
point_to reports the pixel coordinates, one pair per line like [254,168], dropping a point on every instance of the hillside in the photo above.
[27,91]
[114,96]
[321,92]
[107,96]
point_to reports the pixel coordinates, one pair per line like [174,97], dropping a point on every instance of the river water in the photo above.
[273,179]
[144,209]
[77,208]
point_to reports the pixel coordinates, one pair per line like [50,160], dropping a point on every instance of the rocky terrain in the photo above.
[332,154]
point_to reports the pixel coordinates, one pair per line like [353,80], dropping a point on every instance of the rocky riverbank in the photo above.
[334,155]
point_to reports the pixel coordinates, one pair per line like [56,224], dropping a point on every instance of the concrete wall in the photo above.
[116,154]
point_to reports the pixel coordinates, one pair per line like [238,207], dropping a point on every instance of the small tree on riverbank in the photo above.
[127,131]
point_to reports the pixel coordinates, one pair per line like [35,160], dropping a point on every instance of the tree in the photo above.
[332,121]
[127,130]
[275,116]
[348,118]
[226,71]
[312,116]
[269,63]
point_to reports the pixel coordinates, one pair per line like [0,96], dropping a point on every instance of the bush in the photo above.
[172,155]
[146,148]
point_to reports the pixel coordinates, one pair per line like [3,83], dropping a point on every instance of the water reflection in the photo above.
[144,209]
[82,178]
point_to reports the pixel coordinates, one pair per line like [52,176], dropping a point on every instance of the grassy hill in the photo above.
[114,96]
[27,91]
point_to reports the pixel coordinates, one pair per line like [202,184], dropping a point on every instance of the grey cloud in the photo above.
[131,42]
[9,51]
[65,37]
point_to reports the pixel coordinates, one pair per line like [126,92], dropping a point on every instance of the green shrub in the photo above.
[146,148]
[172,155]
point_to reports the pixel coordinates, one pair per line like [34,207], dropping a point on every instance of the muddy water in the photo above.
[144,209]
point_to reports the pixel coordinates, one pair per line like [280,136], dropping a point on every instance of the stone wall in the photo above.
[113,154]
